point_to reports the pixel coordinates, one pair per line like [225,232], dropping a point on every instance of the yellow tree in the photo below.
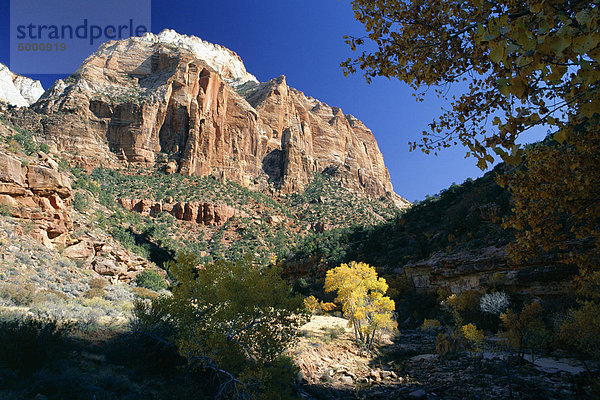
[361,294]
[526,330]
[524,64]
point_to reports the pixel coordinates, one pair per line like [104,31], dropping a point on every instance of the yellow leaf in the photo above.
[560,136]
[496,53]
[518,87]
[584,43]
[561,42]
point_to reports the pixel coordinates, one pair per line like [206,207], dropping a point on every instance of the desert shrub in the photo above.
[22,141]
[152,280]
[316,306]
[98,283]
[449,342]
[17,294]
[86,316]
[494,303]
[144,293]
[27,343]
[6,210]
[81,202]
[93,292]
[233,318]
[332,333]
[119,293]
[13,146]
[127,238]
[430,325]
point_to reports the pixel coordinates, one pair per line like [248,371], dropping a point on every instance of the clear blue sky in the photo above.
[303,40]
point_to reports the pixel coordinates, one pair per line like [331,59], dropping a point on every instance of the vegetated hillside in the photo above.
[257,224]
[157,213]
[462,217]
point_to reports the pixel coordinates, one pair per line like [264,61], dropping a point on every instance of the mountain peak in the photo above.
[226,62]
[178,98]
[18,90]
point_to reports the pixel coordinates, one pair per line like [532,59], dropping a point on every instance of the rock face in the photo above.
[174,97]
[38,193]
[18,90]
[107,258]
[477,269]
[202,213]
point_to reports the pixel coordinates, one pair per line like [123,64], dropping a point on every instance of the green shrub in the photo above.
[5,210]
[149,279]
[22,141]
[144,293]
[235,319]
[81,202]
[333,333]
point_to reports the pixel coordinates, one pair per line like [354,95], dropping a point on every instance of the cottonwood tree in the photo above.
[526,330]
[524,64]
[361,294]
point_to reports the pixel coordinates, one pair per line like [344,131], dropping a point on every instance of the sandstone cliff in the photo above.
[171,97]
[37,193]
[199,212]
[481,268]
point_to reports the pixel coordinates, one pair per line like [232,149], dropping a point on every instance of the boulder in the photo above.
[171,168]
[11,170]
[418,395]
[46,181]
[80,251]
[108,267]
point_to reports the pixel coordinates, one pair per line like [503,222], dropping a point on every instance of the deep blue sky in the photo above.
[303,40]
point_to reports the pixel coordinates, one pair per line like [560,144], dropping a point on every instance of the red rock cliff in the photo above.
[174,97]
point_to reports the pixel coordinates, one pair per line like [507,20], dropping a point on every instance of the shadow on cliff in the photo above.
[273,164]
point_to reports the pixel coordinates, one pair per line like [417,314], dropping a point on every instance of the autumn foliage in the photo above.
[361,294]
[235,319]
[523,64]
[520,65]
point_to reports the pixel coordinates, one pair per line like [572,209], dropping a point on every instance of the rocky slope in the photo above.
[37,193]
[18,90]
[36,197]
[171,97]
